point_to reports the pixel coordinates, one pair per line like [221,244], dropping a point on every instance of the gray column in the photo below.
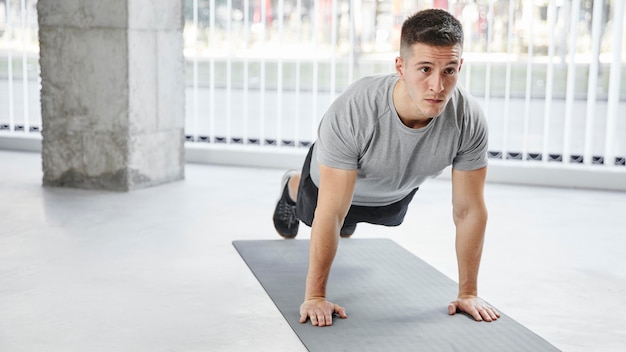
[112,95]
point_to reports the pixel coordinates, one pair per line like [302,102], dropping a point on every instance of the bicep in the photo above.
[336,187]
[468,190]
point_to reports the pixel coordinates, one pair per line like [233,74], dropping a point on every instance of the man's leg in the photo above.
[292,185]
[285,221]
[297,202]
[347,230]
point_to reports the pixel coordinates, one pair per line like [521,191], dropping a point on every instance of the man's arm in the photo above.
[470,218]
[334,198]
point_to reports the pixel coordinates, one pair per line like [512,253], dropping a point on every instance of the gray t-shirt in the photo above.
[362,130]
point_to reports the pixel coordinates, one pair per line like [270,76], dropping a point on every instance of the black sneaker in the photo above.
[347,230]
[285,221]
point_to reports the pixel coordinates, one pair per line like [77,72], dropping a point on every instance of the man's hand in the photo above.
[475,307]
[320,311]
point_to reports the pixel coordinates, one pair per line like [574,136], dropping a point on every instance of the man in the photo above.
[376,144]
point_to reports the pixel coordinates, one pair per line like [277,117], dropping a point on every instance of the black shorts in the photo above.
[387,215]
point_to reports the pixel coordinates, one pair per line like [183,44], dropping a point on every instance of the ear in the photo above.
[461,65]
[400,66]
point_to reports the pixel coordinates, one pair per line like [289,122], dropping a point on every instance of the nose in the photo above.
[435,83]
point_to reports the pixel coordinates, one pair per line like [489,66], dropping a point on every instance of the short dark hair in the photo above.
[433,27]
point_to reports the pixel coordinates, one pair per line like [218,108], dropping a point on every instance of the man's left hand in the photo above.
[475,307]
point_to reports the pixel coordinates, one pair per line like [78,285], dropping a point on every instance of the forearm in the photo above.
[470,218]
[470,233]
[323,247]
[334,197]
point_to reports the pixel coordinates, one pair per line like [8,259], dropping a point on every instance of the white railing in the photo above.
[262,73]
[551,86]
[19,67]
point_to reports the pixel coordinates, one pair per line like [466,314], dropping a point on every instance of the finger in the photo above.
[452,308]
[493,313]
[485,314]
[313,318]
[321,319]
[341,311]
[475,314]
[489,313]
[303,317]
[328,318]
[496,313]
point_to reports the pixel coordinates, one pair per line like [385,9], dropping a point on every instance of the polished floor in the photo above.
[154,269]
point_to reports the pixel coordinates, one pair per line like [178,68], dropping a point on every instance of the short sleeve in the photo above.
[473,141]
[336,142]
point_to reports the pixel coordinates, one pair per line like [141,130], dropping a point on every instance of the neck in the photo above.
[407,111]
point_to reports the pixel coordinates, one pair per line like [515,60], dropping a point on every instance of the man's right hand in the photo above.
[320,311]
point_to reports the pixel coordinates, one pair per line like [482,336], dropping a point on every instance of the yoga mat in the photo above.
[394,301]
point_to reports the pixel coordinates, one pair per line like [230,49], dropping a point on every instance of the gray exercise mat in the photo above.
[394,301]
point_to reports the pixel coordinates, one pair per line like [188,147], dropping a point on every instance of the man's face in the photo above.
[430,75]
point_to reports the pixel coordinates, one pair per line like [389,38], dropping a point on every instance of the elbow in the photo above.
[476,214]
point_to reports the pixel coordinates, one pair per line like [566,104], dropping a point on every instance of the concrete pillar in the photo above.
[112,94]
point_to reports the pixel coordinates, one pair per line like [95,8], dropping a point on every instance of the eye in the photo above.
[425,69]
[450,70]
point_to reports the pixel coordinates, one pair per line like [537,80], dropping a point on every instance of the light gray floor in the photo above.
[154,269]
